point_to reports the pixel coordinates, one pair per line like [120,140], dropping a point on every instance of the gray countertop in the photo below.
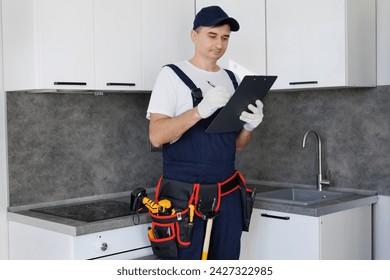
[72,227]
[355,198]
[22,214]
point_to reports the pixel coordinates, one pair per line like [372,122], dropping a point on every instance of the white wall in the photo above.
[3,164]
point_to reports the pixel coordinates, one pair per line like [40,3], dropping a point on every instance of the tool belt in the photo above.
[173,231]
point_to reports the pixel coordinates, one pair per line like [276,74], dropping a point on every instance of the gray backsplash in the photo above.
[64,146]
[354,125]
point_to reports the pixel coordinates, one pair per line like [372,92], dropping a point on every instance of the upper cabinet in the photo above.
[383,42]
[246,54]
[122,44]
[306,43]
[48,44]
[166,35]
[65,39]
[118,61]
[321,43]
[134,39]
[92,44]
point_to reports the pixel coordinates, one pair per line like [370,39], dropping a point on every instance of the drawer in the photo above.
[110,242]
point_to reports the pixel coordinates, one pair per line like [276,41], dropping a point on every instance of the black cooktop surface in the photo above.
[89,211]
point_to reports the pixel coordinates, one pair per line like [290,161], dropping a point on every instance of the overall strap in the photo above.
[232,77]
[195,91]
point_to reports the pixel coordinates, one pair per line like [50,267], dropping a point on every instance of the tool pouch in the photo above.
[170,232]
[180,194]
[248,197]
[163,240]
[207,199]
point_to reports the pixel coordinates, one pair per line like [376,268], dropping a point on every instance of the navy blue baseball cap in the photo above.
[213,16]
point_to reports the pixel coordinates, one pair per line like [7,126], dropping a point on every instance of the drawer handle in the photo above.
[303,83]
[70,83]
[121,84]
[275,217]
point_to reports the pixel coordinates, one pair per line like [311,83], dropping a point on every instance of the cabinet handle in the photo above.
[71,83]
[121,84]
[303,83]
[275,217]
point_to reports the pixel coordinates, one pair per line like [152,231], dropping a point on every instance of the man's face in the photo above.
[211,42]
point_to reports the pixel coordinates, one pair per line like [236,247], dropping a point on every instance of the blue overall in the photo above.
[200,157]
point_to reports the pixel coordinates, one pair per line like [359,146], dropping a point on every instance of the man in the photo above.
[178,123]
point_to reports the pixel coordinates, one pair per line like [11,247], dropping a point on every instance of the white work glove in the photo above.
[252,120]
[212,100]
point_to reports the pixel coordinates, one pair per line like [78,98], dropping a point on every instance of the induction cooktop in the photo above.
[90,211]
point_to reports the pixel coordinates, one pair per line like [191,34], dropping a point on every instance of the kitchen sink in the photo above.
[299,196]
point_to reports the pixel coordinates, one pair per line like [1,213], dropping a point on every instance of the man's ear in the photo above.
[194,34]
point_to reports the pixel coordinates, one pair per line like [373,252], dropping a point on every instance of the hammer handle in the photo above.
[206,242]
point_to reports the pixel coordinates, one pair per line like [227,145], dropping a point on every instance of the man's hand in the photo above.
[212,100]
[252,120]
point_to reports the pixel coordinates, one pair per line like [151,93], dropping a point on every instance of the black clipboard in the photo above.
[250,89]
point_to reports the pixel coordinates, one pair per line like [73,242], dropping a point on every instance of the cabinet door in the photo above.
[383,42]
[347,235]
[118,44]
[28,242]
[276,235]
[34,243]
[166,27]
[306,43]
[66,44]
[246,54]
[19,45]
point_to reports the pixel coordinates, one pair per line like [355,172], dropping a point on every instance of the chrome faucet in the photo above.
[320,181]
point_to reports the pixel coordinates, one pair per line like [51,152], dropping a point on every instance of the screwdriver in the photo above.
[190,224]
[150,233]
[192,210]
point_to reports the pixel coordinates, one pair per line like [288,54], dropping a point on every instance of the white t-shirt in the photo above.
[172,97]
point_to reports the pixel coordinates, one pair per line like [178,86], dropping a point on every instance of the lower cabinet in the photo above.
[278,235]
[33,243]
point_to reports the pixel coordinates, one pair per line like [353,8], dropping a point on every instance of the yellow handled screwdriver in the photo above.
[192,211]
[150,233]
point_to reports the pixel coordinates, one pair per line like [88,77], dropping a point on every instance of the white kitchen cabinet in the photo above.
[92,44]
[20,51]
[130,46]
[246,53]
[321,43]
[52,52]
[48,44]
[166,29]
[28,242]
[278,235]
[65,39]
[383,42]
[118,60]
